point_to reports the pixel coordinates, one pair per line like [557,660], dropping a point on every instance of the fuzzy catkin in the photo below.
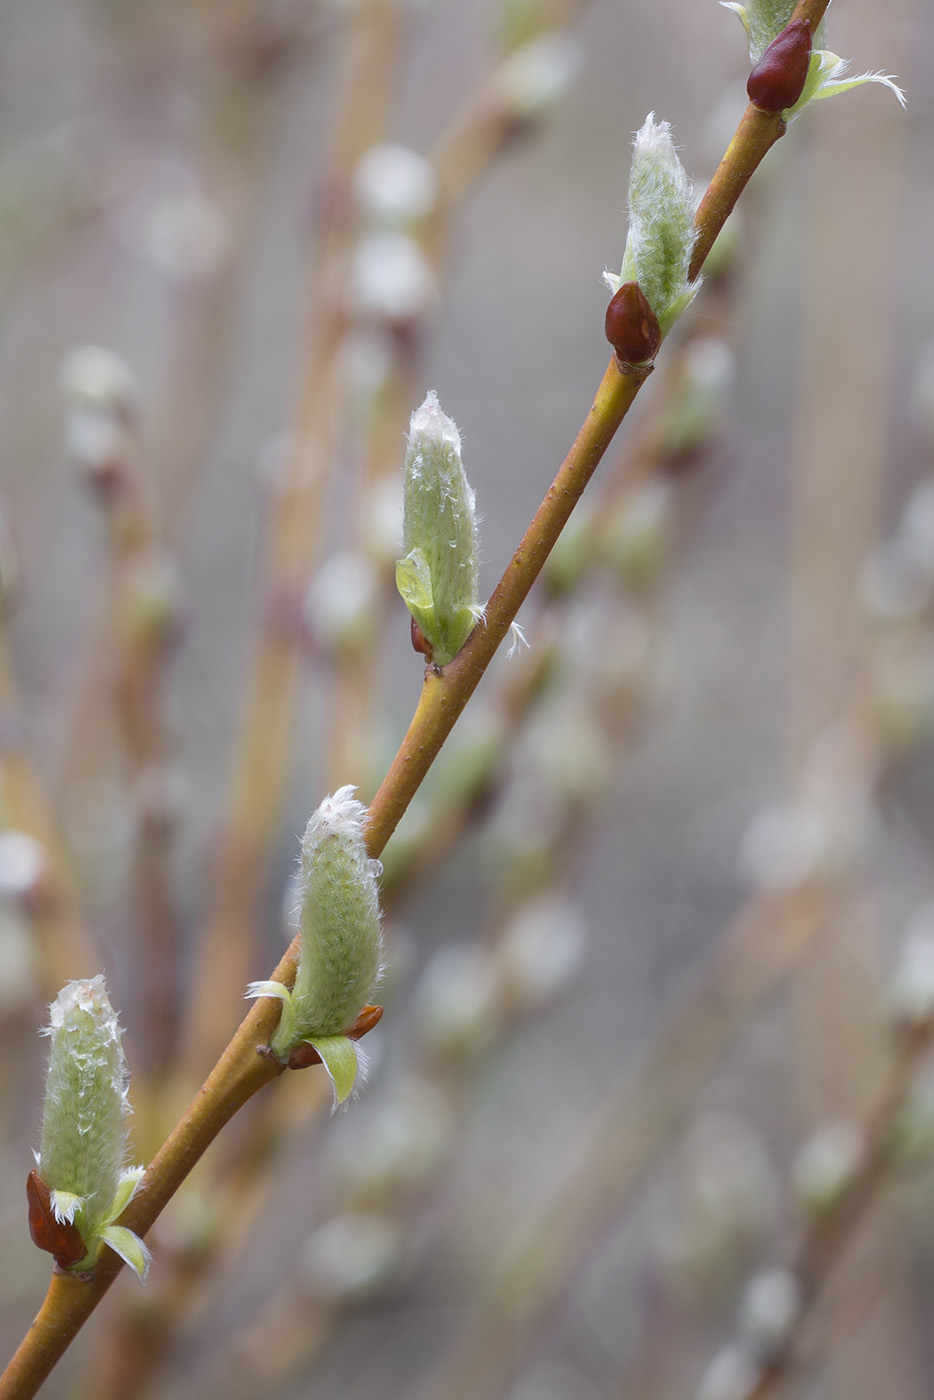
[439,576]
[83,1130]
[661,222]
[341,956]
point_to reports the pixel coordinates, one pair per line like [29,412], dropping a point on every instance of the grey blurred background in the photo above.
[761,639]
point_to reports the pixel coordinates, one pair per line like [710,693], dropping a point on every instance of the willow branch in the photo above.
[240,1070]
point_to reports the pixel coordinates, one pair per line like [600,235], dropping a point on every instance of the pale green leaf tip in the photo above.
[835,83]
[268,989]
[413,580]
[126,1190]
[826,79]
[341,1058]
[737,10]
[129,1246]
[65,1205]
[283,1037]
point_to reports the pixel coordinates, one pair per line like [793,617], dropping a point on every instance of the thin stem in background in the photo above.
[63,940]
[822,1243]
[260,763]
[230,144]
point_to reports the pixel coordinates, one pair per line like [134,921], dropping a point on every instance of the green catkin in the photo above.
[84,1132]
[341,954]
[439,575]
[661,225]
[340,961]
[83,1122]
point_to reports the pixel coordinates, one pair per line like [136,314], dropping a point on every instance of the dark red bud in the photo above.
[777,80]
[632,327]
[57,1237]
[420,642]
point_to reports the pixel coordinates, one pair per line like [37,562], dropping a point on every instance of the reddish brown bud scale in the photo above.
[777,80]
[420,642]
[632,327]
[57,1237]
[304,1055]
[368,1018]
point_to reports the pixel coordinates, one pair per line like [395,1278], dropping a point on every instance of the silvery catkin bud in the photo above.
[81,1181]
[798,57]
[439,575]
[661,226]
[341,945]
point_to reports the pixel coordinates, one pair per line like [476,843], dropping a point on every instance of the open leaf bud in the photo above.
[707,373]
[537,74]
[770,1307]
[391,280]
[639,535]
[394,186]
[95,378]
[99,447]
[785,845]
[632,327]
[352,1256]
[903,690]
[456,1005]
[825,1166]
[913,1139]
[777,78]
[718,1210]
[397,1144]
[731,1375]
[341,945]
[439,575]
[541,949]
[81,1177]
[661,226]
[342,604]
[153,599]
[23,867]
[911,988]
[19,958]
